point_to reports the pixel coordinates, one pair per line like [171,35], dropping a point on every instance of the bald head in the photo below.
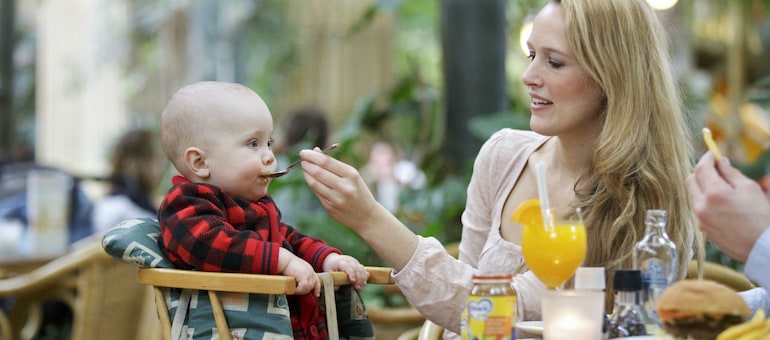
[201,111]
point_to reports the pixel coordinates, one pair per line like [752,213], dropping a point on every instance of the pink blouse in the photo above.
[437,284]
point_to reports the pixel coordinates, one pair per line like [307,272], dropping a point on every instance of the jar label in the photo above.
[491,317]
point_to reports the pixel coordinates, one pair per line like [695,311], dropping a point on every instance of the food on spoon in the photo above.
[700,309]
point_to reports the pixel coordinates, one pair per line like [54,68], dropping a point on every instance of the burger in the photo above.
[700,309]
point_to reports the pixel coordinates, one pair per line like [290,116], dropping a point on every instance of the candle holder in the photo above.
[573,314]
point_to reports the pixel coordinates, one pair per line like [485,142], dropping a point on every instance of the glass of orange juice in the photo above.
[555,249]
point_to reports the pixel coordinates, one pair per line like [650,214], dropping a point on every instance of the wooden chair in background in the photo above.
[720,273]
[102,293]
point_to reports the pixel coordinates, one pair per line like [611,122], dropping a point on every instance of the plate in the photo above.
[532,327]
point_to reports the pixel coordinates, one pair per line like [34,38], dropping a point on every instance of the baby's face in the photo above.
[239,147]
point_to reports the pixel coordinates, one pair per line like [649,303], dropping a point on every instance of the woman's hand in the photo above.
[732,209]
[340,189]
[347,199]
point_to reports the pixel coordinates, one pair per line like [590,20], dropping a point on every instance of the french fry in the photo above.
[710,143]
[765,334]
[748,328]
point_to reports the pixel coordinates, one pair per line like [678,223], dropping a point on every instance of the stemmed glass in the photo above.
[555,249]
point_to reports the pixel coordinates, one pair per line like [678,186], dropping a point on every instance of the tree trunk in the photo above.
[7,23]
[474,45]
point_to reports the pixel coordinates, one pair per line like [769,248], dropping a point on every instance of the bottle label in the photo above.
[655,272]
[491,317]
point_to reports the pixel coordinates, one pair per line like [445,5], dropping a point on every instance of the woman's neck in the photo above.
[565,162]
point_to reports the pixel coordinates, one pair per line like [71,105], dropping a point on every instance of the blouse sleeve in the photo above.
[759,261]
[435,283]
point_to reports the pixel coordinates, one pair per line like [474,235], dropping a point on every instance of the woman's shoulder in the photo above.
[510,144]
[516,137]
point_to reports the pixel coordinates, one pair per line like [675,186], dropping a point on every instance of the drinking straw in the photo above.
[542,192]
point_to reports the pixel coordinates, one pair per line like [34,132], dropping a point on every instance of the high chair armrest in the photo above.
[246,283]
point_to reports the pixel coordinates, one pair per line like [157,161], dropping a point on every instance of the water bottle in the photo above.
[656,257]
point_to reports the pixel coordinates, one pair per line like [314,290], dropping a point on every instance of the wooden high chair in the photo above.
[135,241]
[215,283]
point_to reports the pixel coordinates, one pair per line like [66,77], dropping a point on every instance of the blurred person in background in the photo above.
[136,168]
[387,174]
[305,128]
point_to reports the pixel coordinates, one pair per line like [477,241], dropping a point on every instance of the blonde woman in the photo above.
[608,124]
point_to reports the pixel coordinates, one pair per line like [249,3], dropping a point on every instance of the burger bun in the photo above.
[700,309]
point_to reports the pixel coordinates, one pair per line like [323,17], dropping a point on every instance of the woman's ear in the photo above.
[195,159]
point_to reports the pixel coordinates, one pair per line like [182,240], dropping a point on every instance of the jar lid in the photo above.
[492,277]
[627,280]
[589,278]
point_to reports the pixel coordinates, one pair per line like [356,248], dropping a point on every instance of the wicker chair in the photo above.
[105,299]
[720,273]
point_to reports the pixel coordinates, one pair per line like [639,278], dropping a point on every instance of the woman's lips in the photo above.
[537,103]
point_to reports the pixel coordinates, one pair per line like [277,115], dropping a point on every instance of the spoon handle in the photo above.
[327,149]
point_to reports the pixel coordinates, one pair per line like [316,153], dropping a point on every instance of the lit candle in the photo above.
[575,315]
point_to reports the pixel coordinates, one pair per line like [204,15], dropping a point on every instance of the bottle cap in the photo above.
[627,280]
[589,278]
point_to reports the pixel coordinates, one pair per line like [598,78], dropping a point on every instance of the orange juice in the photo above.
[554,255]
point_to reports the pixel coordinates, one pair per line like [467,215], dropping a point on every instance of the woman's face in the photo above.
[564,99]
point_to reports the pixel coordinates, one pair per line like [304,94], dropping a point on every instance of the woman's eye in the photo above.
[531,56]
[554,63]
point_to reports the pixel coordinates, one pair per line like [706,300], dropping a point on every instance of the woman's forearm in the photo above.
[390,238]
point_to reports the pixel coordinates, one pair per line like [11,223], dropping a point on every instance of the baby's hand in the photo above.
[305,275]
[348,264]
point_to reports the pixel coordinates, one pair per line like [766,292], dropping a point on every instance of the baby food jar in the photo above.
[490,311]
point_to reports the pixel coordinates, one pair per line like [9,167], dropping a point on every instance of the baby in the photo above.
[218,215]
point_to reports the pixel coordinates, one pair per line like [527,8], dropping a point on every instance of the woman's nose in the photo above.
[529,77]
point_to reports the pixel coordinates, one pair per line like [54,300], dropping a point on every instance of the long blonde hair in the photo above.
[642,155]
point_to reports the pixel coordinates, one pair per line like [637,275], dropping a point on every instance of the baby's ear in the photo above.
[195,160]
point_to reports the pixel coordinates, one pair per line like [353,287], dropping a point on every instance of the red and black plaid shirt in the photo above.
[204,228]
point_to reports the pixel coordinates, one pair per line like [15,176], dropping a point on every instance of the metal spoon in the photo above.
[286,171]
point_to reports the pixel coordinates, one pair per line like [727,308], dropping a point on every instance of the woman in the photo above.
[607,123]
